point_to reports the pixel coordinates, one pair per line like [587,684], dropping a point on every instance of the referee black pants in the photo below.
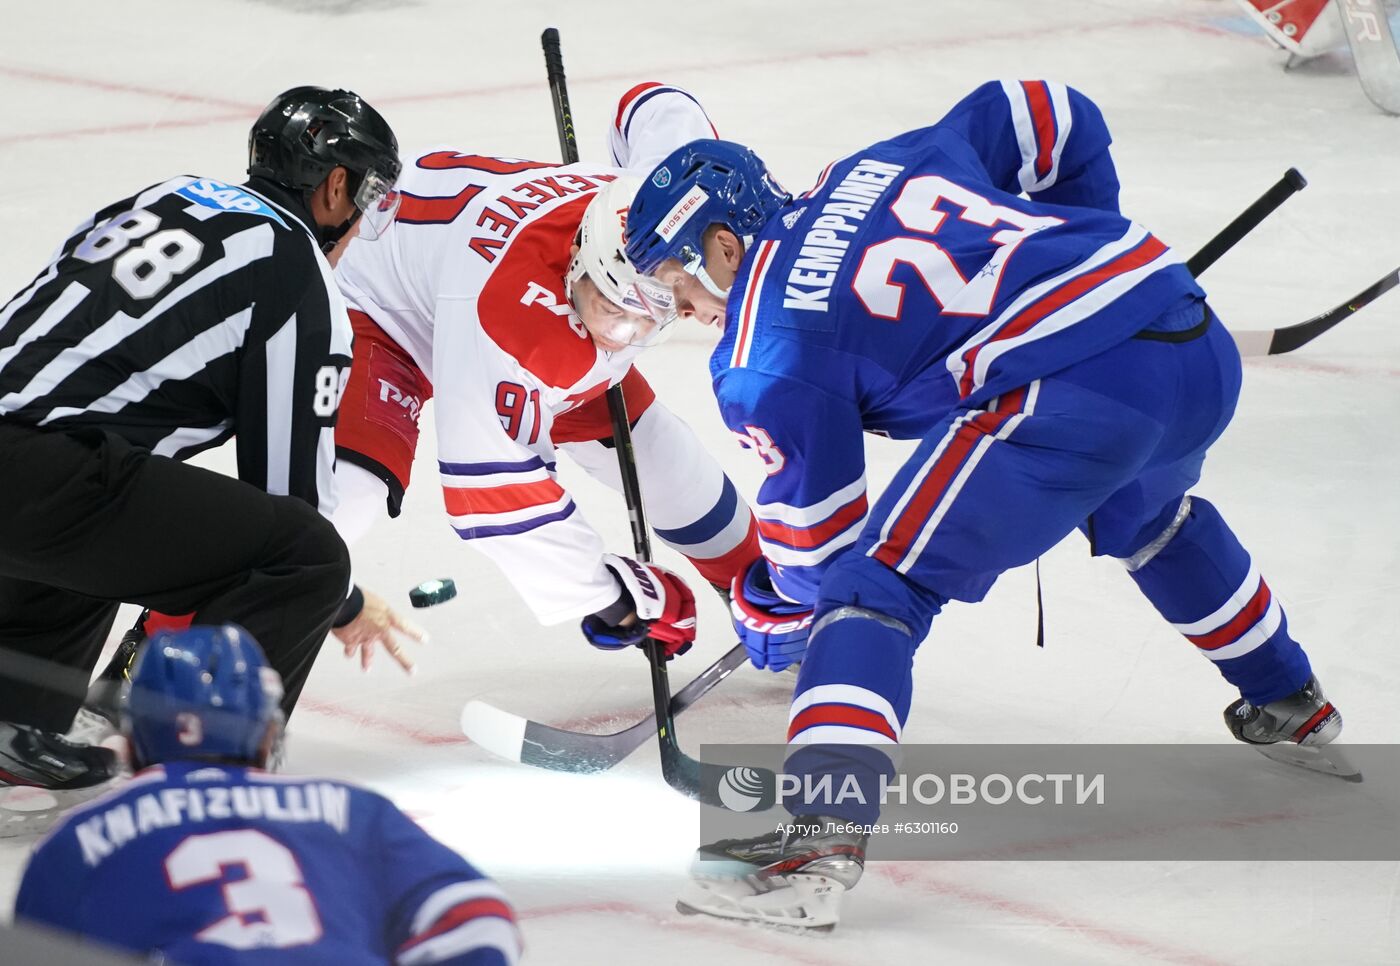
[88,521]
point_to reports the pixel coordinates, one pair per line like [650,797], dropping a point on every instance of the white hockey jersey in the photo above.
[470,282]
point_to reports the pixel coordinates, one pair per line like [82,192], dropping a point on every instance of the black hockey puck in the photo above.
[431,592]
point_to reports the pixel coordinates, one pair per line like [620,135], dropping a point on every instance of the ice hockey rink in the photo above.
[97,100]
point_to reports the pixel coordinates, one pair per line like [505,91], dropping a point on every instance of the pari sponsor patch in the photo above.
[684,210]
[215,195]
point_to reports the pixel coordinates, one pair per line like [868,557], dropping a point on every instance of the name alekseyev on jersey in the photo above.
[471,283]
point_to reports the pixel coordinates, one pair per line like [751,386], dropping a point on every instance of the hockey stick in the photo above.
[492,727]
[519,739]
[1272,342]
[1246,221]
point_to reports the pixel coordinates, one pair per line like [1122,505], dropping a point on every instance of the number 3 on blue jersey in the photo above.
[757,439]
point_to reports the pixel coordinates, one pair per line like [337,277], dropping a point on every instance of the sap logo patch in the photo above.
[217,196]
[662,177]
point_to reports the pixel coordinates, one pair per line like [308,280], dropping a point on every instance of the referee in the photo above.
[168,322]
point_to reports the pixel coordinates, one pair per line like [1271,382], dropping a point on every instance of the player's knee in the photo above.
[857,580]
[1137,544]
[307,542]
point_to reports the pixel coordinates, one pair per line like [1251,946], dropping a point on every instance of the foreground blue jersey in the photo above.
[914,279]
[219,865]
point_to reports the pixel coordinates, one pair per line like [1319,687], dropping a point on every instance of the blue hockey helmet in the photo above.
[203,693]
[704,183]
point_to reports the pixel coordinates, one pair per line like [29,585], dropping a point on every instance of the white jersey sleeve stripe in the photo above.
[494,933]
[807,516]
[748,314]
[188,359]
[438,903]
[281,375]
[1040,115]
[240,250]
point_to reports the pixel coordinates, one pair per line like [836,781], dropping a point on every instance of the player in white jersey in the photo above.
[482,300]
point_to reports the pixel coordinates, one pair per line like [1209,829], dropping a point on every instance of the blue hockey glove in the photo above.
[773,630]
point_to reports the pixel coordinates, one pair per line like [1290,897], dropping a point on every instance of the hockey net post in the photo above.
[1373,49]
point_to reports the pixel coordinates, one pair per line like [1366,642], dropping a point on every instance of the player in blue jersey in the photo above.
[203,857]
[972,285]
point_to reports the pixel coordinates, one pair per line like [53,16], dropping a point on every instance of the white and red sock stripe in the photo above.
[842,714]
[1247,619]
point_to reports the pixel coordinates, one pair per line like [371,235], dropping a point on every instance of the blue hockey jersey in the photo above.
[216,865]
[913,279]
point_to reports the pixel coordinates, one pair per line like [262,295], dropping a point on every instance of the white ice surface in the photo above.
[97,100]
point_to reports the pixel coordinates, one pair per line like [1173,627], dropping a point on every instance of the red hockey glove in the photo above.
[664,605]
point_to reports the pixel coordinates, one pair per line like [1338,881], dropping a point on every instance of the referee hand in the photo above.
[378,624]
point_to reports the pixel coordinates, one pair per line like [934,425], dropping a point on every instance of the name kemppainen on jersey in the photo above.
[814,271]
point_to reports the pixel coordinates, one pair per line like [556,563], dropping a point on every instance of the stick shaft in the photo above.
[1246,221]
[559,90]
[622,441]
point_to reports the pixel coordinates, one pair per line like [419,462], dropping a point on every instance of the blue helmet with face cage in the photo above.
[704,183]
[204,693]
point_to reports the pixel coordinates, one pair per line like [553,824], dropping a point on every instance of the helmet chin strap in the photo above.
[330,235]
[711,286]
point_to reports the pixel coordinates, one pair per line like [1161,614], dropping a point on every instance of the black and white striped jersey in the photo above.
[187,313]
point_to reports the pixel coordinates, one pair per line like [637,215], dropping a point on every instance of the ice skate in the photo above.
[1293,730]
[42,775]
[794,877]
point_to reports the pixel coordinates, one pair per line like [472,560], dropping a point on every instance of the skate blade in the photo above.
[802,903]
[26,810]
[29,811]
[1325,759]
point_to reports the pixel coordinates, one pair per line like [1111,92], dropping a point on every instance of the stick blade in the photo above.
[1253,342]
[499,732]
